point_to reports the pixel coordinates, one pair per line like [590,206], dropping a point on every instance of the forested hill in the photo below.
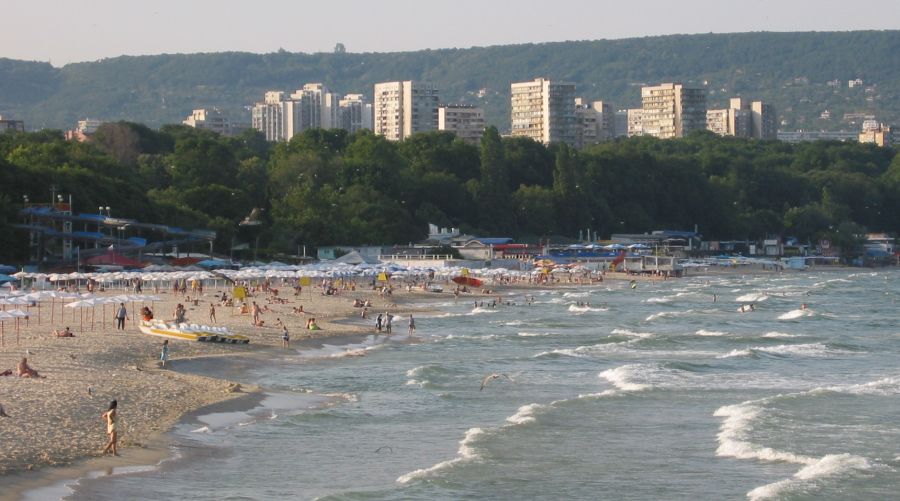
[790,70]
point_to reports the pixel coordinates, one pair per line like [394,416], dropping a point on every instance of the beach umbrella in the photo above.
[4,316]
[81,304]
[17,314]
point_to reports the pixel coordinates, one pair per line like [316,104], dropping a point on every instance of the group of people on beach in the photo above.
[384,323]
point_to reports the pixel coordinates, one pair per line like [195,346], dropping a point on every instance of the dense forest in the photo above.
[330,187]
[789,70]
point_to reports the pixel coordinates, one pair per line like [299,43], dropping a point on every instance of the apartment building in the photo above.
[354,113]
[634,122]
[7,125]
[268,116]
[210,119]
[83,130]
[620,121]
[404,108]
[467,122]
[596,122]
[672,110]
[314,107]
[764,121]
[876,133]
[544,111]
[743,119]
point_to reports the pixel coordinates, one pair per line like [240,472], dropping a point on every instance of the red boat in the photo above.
[470,281]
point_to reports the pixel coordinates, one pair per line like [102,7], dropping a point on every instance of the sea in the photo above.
[661,390]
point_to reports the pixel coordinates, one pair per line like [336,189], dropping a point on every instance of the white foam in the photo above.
[733,442]
[604,393]
[779,334]
[665,314]
[737,425]
[464,453]
[828,466]
[525,414]
[884,386]
[533,334]
[584,309]
[626,332]
[753,297]
[479,310]
[619,377]
[704,332]
[793,314]
[659,300]
[805,350]
[416,371]
[204,429]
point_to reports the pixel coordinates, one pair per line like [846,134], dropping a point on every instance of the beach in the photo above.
[55,420]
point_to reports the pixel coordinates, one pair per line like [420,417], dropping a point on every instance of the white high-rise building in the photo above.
[467,122]
[404,108]
[313,107]
[544,111]
[268,116]
[210,119]
[743,119]
[672,110]
[280,118]
[355,113]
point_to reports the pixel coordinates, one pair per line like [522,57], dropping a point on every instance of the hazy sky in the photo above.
[65,31]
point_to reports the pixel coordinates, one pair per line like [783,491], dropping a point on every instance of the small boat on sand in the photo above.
[470,281]
[191,332]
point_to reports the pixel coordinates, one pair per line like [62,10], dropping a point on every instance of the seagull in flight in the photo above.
[490,377]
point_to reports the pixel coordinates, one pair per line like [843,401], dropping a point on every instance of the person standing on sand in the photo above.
[110,417]
[285,336]
[412,325]
[256,312]
[164,354]
[212,313]
[121,315]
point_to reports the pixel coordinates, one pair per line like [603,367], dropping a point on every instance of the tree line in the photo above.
[327,187]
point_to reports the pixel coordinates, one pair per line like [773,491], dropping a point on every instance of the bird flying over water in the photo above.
[491,377]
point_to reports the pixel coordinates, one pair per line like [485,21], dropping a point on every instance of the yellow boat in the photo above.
[191,332]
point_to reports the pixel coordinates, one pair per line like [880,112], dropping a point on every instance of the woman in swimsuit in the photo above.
[110,417]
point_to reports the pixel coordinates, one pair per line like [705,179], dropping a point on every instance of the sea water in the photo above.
[664,391]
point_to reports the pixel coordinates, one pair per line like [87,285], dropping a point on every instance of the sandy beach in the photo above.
[55,420]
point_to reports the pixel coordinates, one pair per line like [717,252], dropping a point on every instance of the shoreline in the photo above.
[95,357]
[342,326]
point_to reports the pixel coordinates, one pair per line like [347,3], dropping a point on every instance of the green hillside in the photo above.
[790,70]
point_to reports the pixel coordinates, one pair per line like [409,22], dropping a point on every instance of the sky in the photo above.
[62,32]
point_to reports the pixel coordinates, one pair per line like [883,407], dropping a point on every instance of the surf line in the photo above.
[733,442]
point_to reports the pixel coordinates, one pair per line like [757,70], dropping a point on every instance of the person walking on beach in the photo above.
[378,323]
[412,325]
[285,336]
[388,320]
[256,312]
[164,354]
[212,313]
[121,315]
[110,417]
